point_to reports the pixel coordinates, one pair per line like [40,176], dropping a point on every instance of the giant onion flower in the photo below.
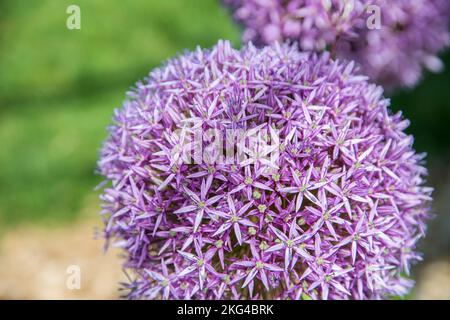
[336,214]
[410,35]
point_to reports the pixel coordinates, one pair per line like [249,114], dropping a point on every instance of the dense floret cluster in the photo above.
[336,214]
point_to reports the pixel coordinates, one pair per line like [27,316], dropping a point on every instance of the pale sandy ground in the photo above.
[434,281]
[34,262]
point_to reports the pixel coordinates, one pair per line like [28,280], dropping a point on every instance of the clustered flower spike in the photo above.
[336,215]
[410,35]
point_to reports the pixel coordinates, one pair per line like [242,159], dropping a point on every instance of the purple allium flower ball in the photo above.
[393,51]
[331,207]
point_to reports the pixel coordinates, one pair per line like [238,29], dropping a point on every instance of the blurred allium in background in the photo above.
[337,215]
[411,34]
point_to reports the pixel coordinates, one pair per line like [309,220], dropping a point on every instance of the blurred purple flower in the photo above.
[337,215]
[411,33]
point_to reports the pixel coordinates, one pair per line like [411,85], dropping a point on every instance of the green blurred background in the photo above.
[58,89]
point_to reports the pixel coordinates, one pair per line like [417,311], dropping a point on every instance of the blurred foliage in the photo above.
[118,42]
[58,89]
[428,109]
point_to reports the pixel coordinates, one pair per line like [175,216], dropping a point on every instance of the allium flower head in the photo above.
[410,33]
[330,208]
